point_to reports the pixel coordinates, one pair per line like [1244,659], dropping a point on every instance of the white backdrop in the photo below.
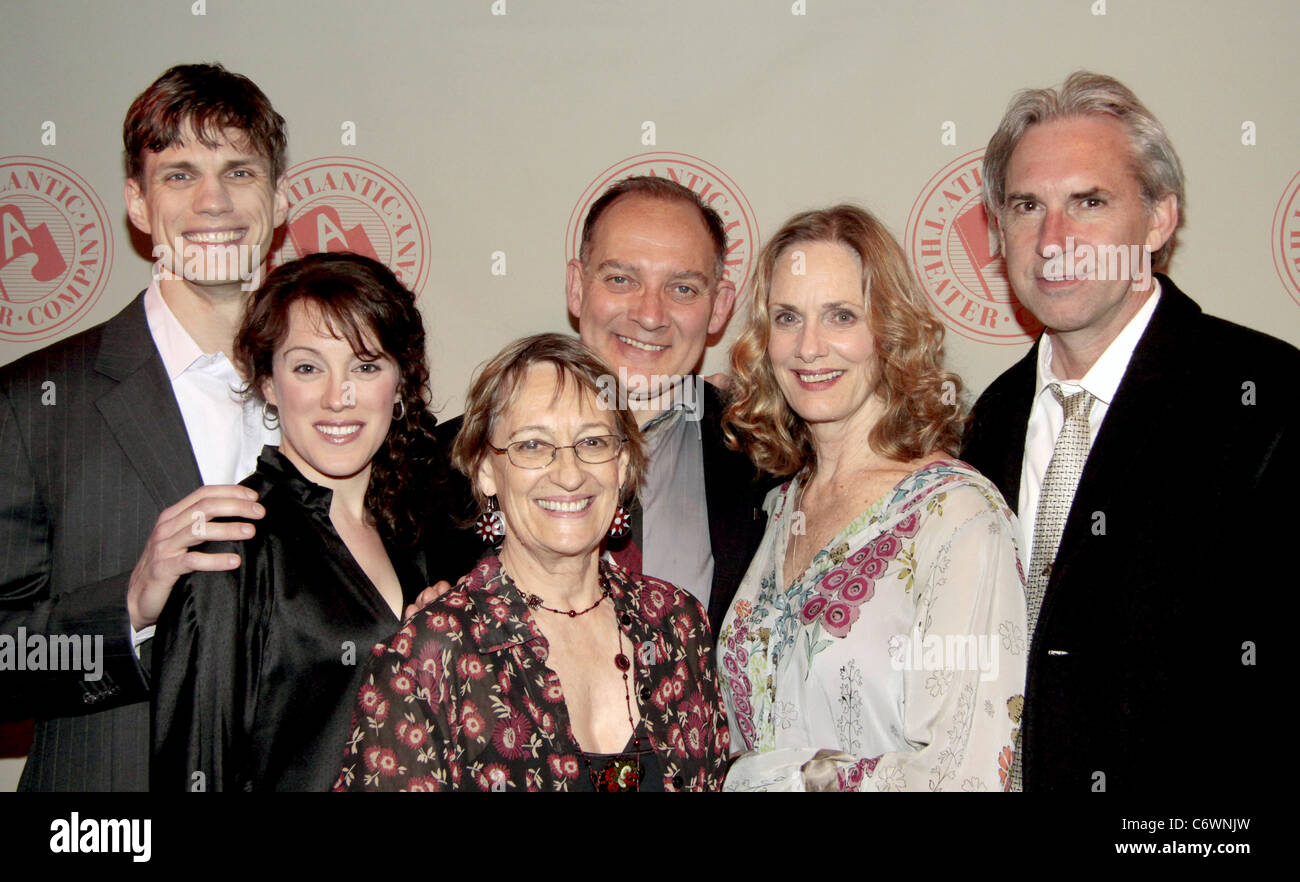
[493,127]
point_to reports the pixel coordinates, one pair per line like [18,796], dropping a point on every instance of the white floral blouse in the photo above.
[897,660]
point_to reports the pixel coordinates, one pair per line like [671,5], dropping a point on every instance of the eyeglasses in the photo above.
[534,454]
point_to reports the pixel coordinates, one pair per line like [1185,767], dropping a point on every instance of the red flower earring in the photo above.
[491,524]
[621,524]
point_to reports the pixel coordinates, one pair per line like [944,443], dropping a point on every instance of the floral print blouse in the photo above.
[896,661]
[461,698]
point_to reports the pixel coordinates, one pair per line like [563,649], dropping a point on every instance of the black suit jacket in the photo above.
[94,448]
[733,492]
[1168,562]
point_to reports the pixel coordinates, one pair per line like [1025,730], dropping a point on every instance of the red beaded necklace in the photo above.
[621,773]
[535,602]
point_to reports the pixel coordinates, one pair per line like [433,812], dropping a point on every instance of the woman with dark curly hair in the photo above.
[877,641]
[255,668]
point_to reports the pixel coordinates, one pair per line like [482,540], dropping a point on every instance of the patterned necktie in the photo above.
[1054,502]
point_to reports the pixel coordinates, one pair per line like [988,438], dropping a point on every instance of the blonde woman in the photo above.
[877,641]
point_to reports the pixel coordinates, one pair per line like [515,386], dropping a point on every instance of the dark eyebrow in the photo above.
[1091,193]
[694,275]
[1020,197]
[628,269]
[186,165]
[176,165]
[616,265]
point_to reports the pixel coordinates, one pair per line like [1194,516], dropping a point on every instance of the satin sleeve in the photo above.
[207,655]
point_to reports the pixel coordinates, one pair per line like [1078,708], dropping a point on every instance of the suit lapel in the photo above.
[1149,397]
[1003,418]
[141,410]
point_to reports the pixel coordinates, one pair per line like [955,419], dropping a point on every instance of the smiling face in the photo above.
[335,406]
[211,212]
[563,510]
[647,300]
[1075,178]
[820,344]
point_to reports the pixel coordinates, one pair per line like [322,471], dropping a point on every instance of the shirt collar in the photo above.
[1104,377]
[178,350]
[279,470]
[687,403]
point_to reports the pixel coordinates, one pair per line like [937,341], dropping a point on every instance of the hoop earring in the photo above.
[491,524]
[270,416]
[402,414]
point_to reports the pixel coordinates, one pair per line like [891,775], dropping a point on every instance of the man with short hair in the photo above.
[648,289]
[145,414]
[1135,438]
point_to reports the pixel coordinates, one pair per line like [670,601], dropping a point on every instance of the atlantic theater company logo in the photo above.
[708,182]
[340,203]
[56,248]
[951,243]
[1286,238]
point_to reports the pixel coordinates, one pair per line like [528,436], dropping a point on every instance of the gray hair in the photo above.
[1083,93]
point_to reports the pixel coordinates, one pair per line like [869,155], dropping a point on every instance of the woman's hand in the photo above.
[427,596]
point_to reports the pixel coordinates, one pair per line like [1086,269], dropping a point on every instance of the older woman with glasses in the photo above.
[547,667]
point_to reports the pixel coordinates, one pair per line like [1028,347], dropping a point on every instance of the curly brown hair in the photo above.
[922,400]
[356,299]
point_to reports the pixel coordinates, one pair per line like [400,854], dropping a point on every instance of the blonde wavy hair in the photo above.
[922,400]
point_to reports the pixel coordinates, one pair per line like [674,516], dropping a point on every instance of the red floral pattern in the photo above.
[462,698]
[842,591]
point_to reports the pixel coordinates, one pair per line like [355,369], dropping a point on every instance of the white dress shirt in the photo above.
[225,432]
[1048,416]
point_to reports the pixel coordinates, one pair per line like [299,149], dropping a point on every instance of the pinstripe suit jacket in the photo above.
[92,448]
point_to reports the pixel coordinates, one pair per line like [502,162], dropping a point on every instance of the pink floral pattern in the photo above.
[842,591]
[820,662]
[462,698]
[850,777]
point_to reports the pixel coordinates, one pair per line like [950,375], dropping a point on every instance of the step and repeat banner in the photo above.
[461,141]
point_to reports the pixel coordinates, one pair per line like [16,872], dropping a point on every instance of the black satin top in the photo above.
[256,669]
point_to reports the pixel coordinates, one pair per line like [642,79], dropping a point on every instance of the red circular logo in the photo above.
[707,181]
[1286,238]
[337,203]
[56,248]
[953,248]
